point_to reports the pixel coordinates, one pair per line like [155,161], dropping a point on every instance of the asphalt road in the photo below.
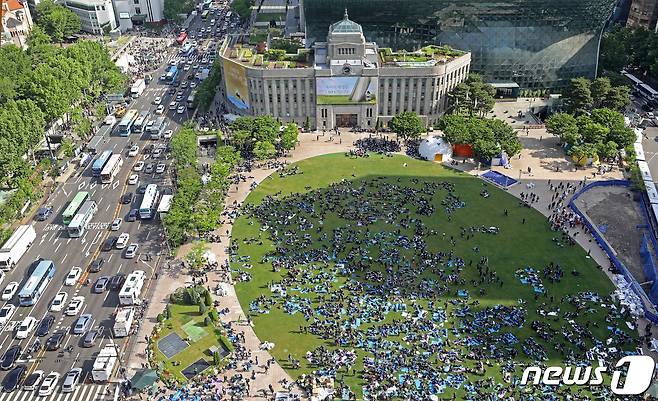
[53,243]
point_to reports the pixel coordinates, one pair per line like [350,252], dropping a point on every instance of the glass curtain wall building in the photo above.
[534,43]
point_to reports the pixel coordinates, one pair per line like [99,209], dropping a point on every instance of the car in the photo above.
[160,168]
[90,338]
[132,215]
[26,327]
[96,265]
[179,98]
[142,188]
[43,213]
[71,380]
[55,341]
[101,285]
[163,77]
[133,179]
[183,85]
[160,110]
[180,110]
[131,251]
[116,224]
[212,21]
[108,244]
[82,323]
[49,383]
[122,241]
[13,379]
[127,198]
[172,106]
[44,325]
[168,134]
[110,120]
[73,276]
[195,66]
[157,100]
[32,382]
[75,306]
[134,150]
[6,312]
[157,153]
[171,91]
[9,291]
[148,169]
[9,357]
[186,67]
[192,85]
[116,282]
[57,304]
[139,166]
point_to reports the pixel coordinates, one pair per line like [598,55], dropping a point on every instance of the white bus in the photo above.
[132,288]
[648,92]
[149,202]
[157,128]
[140,124]
[111,169]
[78,225]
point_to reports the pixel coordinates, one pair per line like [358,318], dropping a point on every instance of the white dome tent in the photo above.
[435,148]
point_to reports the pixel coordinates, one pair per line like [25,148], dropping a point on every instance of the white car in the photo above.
[9,291]
[168,134]
[172,106]
[57,304]
[192,84]
[134,150]
[131,251]
[26,327]
[139,166]
[116,224]
[133,179]
[73,276]
[32,381]
[180,110]
[186,67]
[160,168]
[157,100]
[49,383]
[122,241]
[75,306]
[160,109]
[6,313]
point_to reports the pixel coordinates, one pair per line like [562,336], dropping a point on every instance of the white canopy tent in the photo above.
[435,148]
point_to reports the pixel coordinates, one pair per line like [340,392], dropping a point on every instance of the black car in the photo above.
[14,378]
[108,245]
[167,191]
[132,215]
[90,338]
[101,285]
[96,265]
[9,357]
[44,326]
[43,213]
[127,198]
[116,282]
[142,188]
[55,341]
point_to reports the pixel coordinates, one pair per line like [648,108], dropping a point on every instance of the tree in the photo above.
[264,150]
[455,129]
[173,8]
[57,20]
[607,150]
[407,125]
[618,98]
[289,136]
[202,308]
[578,96]
[183,148]
[564,125]
[216,358]
[207,297]
[593,132]
[196,257]
[600,88]
[623,136]
[485,150]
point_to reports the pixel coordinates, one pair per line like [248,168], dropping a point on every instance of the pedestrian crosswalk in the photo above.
[84,392]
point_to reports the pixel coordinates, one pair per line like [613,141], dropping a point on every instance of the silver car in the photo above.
[71,380]
[82,324]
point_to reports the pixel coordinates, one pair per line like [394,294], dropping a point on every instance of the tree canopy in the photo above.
[258,136]
[407,125]
[487,136]
[473,96]
[583,95]
[632,48]
[57,20]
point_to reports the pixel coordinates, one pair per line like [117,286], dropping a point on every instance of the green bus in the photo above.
[204,15]
[74,206]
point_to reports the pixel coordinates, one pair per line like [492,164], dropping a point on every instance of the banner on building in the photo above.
[346,90]
[236,84]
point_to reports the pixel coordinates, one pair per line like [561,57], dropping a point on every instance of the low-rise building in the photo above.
[135,12]
[96,16]
[343,82]
[16,23]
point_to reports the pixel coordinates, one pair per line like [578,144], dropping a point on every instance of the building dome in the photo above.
[345,26]
[435,148]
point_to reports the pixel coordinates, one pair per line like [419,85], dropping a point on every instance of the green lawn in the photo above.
[516,246]
[187,323]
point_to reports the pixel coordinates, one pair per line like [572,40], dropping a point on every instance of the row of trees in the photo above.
[57,21]
[602,132]
[205,94]
[174,8]
[582,96]
[262,137]
[634,48]
[488,137]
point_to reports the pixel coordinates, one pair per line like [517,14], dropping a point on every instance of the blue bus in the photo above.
[172,74]
[99,163]
[37,283]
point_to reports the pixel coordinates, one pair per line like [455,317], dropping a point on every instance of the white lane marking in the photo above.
[82,185]
[93,184]
[93,192]
[65,193]
[114,147]
[53,236]
[52,397]
[107,208]
[120,266]
[110,258]
[25,394]
[58,245]
[59,397]
[65,256]
[2,396]
[69,240]
[98,390]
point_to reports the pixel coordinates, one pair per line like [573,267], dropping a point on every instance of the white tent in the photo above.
[435,148]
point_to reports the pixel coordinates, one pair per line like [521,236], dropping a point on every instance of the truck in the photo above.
[104,364]
[16,246]
[123,321]
[138,88]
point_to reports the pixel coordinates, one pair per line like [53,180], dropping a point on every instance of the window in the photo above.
[138,10]
[135,1]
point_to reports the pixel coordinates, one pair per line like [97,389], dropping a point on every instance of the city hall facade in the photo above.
[344,82]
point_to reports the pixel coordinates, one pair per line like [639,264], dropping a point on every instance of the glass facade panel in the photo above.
[535,43]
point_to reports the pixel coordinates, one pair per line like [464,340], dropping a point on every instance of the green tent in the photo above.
[144,378]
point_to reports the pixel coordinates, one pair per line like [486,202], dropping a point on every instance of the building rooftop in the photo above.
[345,26]
[426,56]
[271,59]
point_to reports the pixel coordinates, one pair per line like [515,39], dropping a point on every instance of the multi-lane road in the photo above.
[53,243]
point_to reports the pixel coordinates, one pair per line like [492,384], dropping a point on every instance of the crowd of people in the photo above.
[388,286]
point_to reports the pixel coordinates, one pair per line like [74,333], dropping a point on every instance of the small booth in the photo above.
[435,148]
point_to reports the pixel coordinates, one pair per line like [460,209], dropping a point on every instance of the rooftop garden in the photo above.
[274,57]
[425,54]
